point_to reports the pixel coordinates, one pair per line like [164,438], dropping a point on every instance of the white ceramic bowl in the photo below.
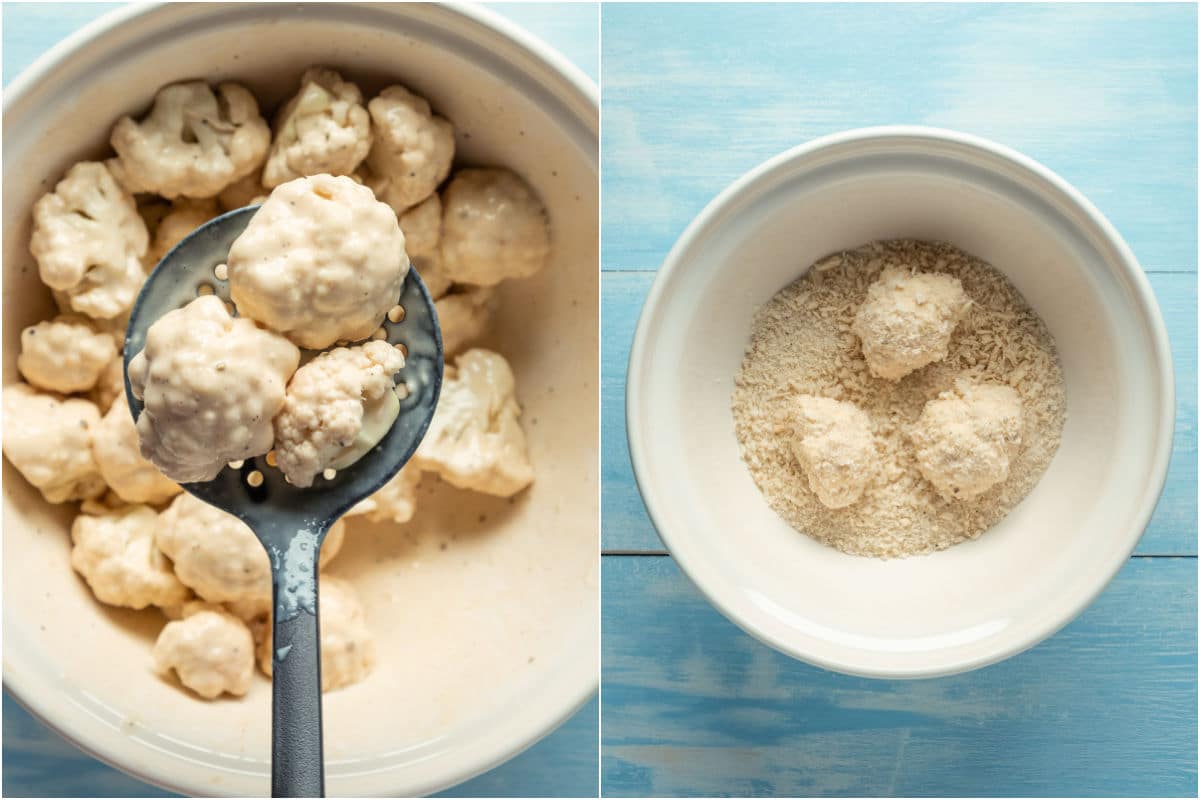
[973,604]
[484,646]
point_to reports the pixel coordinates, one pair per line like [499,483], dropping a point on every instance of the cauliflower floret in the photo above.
[89,241]
[834,445]
[49,440]
[210,650]
[966,438]
[347,648]
[110,384]
[115,554]
[115,446]
[464,317]
[219,557]
[412,151]
[422,229]
[211,385]
[493,227]
[907,319]
[193,142]
[338,406]
[248,191]
[396,501]
[323,129]
[66,354]
[321,262]
[185,216]
[475,440]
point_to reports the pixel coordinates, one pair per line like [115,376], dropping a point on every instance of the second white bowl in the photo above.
[975,603]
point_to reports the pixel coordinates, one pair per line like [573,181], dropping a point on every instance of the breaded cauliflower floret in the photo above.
[907,320]
[218,557]
[116,555]
[835,447]
[323,129]
[210,650]
[966,438]
[193,142]
[493,227]
[347,648]
[321,262]
[211,385]
[412,151]
[89,241]
[464,317]
[248,191]
[395,501]
[338,406]
[65,354]
[49,440]
[475,440]
[184,217]
[422,229]
[115,446]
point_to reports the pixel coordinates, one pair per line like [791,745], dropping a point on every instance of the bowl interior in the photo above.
[484,609]
[976,602]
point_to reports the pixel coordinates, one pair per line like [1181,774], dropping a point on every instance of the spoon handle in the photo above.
[297,760]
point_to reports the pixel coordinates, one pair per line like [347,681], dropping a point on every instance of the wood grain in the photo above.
[695,96]
[693,706]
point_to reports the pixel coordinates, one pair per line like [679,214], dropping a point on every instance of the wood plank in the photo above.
[693,706]
[626,527]
[1105,96]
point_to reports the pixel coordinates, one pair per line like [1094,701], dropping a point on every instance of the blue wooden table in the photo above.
[694,96]
[37,762]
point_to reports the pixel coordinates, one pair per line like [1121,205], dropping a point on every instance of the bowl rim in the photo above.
[759,179]
[23,688]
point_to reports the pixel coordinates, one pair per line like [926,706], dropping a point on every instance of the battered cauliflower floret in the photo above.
[835,447]
[211,385]
[218,557]
[338,406]
[89,241]
[49,440]
[323,129]
[110,384]
[210,650]
[966,438]
[321,262]
[192,143]
[493,227]
[396,501]
[412,151]
[115,447]
[116,555]
[464,317]
[347,648]
[65,354]
[907,320]
[247,191]
[184,217]
[475,439]
[422,229]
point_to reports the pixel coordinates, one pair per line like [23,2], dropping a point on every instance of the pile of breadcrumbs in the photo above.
[802,344]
